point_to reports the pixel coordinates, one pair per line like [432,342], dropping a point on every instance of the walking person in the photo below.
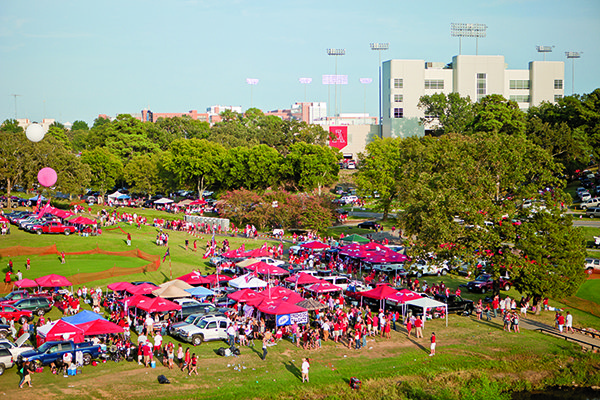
[62,257]
[408,327]
[128,239]
[569,323]
[193,365]
[432,347]
[26,375]
[305,369]
[264,347]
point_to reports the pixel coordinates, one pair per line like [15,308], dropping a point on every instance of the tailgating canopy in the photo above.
[315,245]
[324,287]
[200,291]
[425,303]
[163,200]
[82,317]
[25,283]
[247,262]
[194,278]
[157,304]
[171,292]
[59,330]
[53,280]
[115,195]
[285,313]
[302,278]
[120,286]
[381,292]
[214,279]
[248,280]
[244,295]
[100,327]
[132,301]
[144,288]
[267,269]
[355,238]
[177,283]
[311,304]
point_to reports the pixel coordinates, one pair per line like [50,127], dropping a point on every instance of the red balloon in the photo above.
[47,177]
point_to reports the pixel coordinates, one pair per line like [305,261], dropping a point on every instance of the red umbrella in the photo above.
[144,288]
[157,304]
[52,280]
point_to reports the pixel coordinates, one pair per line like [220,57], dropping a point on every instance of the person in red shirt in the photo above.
[561,322]
[432,345]
[419,327]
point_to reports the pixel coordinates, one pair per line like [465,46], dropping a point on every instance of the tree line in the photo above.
[247,150]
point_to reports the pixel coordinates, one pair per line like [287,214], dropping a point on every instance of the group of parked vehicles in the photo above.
[33,223]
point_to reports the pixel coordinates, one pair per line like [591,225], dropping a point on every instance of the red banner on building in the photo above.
[339,136]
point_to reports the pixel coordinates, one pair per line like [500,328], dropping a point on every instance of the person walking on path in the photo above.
[128,239]
[305,369]
[561,322]
[26,372]
[569,323]
[432,347]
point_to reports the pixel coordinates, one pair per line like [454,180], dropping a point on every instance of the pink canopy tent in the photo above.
[293,298]
[276,292]
[276,307]
[83,221]
[324,287]
[315,245]
[59,330]
[214,278]
[302,278]
[239,252]
[194,279]
[120,286]
[53,280]
[157,304]
[144,288]
[132,301]
[197,202]
[100,327]
[267,269]
[244,295]
[381,292]
[260,252]
[403,296]
[26,283]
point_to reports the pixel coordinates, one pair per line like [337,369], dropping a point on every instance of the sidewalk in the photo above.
[531,324]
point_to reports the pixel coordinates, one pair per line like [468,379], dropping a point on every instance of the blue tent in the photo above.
[123,197]
[200,291]
[82,317]
[36,197]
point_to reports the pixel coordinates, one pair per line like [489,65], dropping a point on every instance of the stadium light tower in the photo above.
[573,55]
[252,82]
[305,82]
[379,47]
[461,30]
[544,50]
[365,81]
[336,53]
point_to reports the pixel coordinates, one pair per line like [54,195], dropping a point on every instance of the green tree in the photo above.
[80,126]
[11,126]
[310,166]
[494,113]
[15,149]
[105,167]
[195,163]
[449,113]
[143,174]
[60,134]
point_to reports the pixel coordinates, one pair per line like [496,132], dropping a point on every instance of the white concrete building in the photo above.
[405,81]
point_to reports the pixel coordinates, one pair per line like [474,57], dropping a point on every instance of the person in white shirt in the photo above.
[305,368]
[569,323]
[157,342]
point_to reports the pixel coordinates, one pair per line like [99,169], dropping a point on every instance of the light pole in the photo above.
[252,82]
[379,47]
[573,55]
[305,82]
[544,50]
[15,96]
[336,53]
[461,30]
[365,81]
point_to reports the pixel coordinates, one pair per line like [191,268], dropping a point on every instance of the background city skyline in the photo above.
[73,60]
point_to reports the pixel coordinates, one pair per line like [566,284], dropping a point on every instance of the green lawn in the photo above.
[590,290]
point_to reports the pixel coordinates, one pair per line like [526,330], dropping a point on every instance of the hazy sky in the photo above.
[76,59]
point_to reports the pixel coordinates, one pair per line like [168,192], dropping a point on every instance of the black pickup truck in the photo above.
[456,303]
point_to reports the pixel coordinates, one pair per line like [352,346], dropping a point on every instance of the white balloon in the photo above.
[35,132]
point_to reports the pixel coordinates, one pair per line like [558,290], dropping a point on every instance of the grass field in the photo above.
[590,290]
[475,359]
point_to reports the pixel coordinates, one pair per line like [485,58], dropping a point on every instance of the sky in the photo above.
[73,60]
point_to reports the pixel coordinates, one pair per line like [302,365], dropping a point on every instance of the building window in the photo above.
[519,84]
[434,84]
[398,98]
[398,83]
[481,86]
[398,112]
[557,97]
[520,98]
[558,84]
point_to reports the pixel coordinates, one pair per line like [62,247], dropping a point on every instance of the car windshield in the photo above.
[482,278]
[202,324]
[44,347]
[190,319]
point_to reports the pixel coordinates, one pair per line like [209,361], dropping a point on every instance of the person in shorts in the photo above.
[432,347]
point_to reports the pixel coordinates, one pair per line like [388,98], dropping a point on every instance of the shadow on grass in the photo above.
[258,353]
[490,323]
[419,345]
[293,369]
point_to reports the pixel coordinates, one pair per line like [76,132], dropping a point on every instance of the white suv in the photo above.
[592,264]
[349,199]
[207,329]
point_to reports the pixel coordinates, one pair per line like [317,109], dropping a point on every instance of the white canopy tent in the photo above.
[115,195]
[163,200]
[425,304]
[247,281]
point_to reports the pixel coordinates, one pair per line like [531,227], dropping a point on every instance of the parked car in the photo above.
[271,261]
[50,352]
[592,264]
[16,348]
[10,313]
[193,319]
[485,283]
[593,202]
[369,225]
[455,303]
[37,305]
[348,199]
[210,328]
[6,360]
[592,212]
[423,267]
[190,306]
[54,227]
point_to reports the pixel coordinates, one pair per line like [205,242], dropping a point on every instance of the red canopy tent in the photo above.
[244,295]
[315,245]
[214,279]
[381,292]
[260,252]
[302,278]
[132,301]
[194,279]
[52,280]
[120,286]
[293,298]
[276,292]
[403,296]
[267,269]
[26,283]
[198,202]
[100,327]
[324,287]
[276,307]
[157,304]
[59,330]
[239,252]
[144,288]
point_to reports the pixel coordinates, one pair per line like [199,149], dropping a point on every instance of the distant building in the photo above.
[46,122]
[149,116]
[308,112]
[405,81]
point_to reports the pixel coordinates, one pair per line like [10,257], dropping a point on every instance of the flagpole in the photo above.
[170,270]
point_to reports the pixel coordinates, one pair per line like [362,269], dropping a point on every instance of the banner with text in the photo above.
[338,136]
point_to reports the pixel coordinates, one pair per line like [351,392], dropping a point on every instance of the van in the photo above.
[338,280]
